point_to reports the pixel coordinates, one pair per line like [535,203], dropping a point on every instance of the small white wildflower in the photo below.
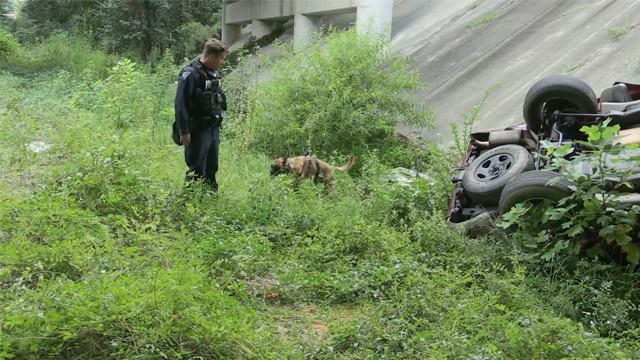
[38,146]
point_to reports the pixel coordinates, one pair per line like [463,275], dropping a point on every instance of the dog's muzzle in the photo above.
[276,170]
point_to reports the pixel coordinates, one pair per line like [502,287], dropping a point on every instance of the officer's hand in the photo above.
[185,139]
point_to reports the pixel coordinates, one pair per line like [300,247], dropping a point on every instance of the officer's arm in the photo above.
[186,89]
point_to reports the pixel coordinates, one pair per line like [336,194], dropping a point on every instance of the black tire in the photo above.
[487,175]
[557,92]
[533,185]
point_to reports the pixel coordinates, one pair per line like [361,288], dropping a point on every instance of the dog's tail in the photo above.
[351,159]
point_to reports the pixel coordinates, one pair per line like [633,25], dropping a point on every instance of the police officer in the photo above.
[199,106]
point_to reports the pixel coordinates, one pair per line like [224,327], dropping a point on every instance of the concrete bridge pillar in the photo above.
[230,32]
[374,16]
[304,26]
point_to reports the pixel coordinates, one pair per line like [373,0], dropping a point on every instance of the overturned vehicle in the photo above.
[507,166]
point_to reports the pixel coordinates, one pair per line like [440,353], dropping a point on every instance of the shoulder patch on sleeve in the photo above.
[185,75]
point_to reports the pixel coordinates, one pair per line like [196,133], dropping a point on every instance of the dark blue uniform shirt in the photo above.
[190,79]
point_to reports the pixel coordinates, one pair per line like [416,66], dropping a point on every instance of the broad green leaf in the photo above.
[633,252]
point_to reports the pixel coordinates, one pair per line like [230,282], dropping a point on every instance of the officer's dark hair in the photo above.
[215,47]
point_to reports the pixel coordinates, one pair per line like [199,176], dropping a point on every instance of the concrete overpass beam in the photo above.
[240,12]
[324,7]
[304,27]
[374,16]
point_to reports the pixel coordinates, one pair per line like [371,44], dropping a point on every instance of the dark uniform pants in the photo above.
[201,156]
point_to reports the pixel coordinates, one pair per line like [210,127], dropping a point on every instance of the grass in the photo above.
[483,21]
[460,136]
[476,3]
[573,68]
[104,254]
[616,33]
[59,52]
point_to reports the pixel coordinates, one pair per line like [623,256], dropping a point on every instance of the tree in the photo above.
[6,7]
[125,26]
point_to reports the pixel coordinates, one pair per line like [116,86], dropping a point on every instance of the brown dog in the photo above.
[307,167]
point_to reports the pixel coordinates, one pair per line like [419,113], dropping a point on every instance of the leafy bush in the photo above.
[343,96]
[8,45]
[590,220]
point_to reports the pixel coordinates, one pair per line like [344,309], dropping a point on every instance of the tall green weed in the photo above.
[343,95]
[60,51]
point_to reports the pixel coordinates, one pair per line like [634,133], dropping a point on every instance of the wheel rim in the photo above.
[494,167]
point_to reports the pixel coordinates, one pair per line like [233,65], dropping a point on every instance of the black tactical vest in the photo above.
[209,100]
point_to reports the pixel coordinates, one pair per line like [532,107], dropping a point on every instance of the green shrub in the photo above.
[119,93]
[590,220]
[345,95]
[8,45]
